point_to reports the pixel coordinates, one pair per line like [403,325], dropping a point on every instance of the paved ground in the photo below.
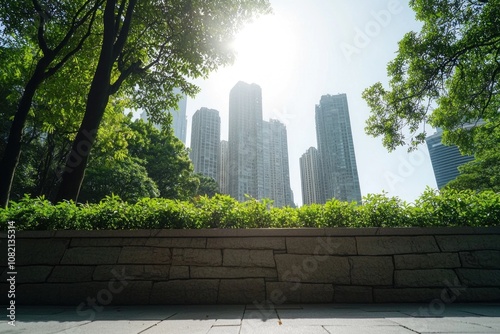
[241,319]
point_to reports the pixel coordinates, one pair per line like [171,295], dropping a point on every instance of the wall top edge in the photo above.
[278,232]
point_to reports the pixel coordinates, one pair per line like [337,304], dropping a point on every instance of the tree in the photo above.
[447,75]
[126,178]
[208,186]
[55,31]
[483,173]
[148,48]
[166,160]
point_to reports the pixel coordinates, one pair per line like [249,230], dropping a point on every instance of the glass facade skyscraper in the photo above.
[445,159]
[205,142]
[339,173]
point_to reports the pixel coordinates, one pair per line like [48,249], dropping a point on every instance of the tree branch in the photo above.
[41,28]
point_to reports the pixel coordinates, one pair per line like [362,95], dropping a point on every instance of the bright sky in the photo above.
[307,49]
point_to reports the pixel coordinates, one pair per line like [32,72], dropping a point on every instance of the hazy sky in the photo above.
[311,48]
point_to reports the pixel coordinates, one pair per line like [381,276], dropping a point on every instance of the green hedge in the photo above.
[447,208]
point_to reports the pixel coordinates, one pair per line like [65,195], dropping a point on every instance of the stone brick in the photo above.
[91,255]
[29,274]
[353,294]
[104,242]
[193,291]
[241,291]
[427,261]
[71,274]
[248,258]
[321,245]
[454,243]
[145,255]
[73,294]
[177,242]
[371,270]
[426,278]
[179,272]
[197,257]
[232,272]
[481,259]
[312,269]
[396,245]
[479,277]
[134,293]
[286,292]
[131,272]
[478,295]
[408,295]
[40,251]
[247,243]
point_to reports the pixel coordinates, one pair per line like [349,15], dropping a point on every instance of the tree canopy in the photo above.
[446,75]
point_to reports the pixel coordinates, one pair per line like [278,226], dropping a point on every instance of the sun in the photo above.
[266,50]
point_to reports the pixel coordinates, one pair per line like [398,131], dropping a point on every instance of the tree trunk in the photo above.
[76,163]
[12,152]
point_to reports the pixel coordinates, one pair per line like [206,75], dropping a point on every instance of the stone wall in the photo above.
[260,266]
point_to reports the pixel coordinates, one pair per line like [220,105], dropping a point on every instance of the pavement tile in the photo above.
[440,325]
[368,330]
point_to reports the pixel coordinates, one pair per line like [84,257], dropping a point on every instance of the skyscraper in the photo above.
[179,119]
[245,142]
[276,166]
[205,142]
[224,167]
[339,173]
[445,159]
[310,174]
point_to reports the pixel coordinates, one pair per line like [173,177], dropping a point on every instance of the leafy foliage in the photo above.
[446,75]
[447,208]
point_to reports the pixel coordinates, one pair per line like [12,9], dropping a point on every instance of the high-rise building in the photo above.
[179,119]
[276,166]
[336,149]
[246,175]
[310,174]
[224,167]
[205,142]
[445,159]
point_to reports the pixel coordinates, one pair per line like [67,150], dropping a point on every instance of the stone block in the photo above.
[371,270]
[28,274]
[193,291]
[455,243]
[197,257]
[396,245]
[353,294]
[408,295]
[179,272]
[232,272]
[312,269]
[321,245]
[481,259]
[425,278]
[478,295]
[285,293]
[177,242]
[73,294]
[145,255]
[427,261]
[480,277]
[102,242]
[248,258]
[40,251]
[241,291]
[71,274]
[277,243]
[91,255]
[133,293]
[132,272]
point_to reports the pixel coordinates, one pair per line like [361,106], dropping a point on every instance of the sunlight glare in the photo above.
[266,51]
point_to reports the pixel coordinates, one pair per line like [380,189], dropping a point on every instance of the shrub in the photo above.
[446,208]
